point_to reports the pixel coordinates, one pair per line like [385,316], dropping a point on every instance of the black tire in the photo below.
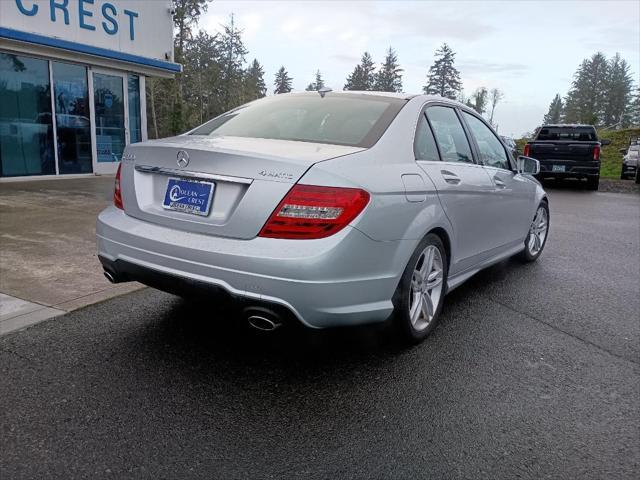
[401,299]
[526,256]
[638,174]
[622,176]
[593,183]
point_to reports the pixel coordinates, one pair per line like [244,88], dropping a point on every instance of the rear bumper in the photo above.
[345,279]
[628,169]
[571,169]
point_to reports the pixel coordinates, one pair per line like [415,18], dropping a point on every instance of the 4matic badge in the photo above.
[279,175]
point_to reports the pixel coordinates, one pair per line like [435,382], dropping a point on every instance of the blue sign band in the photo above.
[89,50]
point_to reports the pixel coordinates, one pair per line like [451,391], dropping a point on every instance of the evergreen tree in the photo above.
[282,81]
[618,85]
[185,16]
[232,57]
[254,86]
[554,115]
[317,84]
[389,77]
[363,75]
[202,79]
[586,100]
[443,78]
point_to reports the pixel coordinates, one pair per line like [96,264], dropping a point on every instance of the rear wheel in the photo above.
[418,300]
[638,174]
[537,236]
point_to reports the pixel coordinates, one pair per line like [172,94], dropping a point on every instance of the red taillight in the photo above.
[117,192]
[527,150]
[308,212]
[596,152]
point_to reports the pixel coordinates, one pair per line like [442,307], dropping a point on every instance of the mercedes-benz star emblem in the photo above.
[183,159]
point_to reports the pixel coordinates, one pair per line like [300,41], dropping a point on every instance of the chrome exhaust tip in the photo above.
[109,276]
[263,323]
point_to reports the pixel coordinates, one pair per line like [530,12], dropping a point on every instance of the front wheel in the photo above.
[537,236]
[420,294]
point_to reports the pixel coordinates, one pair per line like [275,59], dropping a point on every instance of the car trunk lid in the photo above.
[250,176]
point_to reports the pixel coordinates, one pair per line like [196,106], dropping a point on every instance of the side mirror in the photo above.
[527,165]
[605,141]
[623,151]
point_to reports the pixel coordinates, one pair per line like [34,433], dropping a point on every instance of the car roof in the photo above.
[374,93]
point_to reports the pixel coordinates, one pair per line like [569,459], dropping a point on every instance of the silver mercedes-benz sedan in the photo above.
[328,209]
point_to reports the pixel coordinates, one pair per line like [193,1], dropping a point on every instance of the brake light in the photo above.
[596,152]
[527,150]
[309,212]
[117,192]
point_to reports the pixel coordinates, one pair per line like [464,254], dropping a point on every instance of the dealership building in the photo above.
[72,81]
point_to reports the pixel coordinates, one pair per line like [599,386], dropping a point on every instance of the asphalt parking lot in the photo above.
[533,372]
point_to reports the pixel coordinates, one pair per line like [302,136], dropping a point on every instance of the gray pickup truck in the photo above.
[567,151]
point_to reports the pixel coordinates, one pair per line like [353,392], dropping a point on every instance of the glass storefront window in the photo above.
[73,127]
[108,97]
[26,130]
[135,128]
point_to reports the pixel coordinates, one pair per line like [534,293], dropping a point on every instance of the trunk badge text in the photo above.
[183,159]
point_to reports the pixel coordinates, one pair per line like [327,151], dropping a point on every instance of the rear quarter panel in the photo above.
[390,215]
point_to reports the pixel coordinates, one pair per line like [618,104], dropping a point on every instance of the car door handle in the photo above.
[499,183]
[449,177]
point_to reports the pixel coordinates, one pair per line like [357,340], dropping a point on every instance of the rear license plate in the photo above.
[188,196]
[558,168]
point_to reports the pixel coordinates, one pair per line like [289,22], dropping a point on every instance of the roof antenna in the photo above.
[323,91]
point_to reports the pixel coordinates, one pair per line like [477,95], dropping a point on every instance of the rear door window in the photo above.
[451,138]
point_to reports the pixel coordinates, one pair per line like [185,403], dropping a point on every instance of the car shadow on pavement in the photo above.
[197,331]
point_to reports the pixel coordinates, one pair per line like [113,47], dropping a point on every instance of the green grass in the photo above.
[610,155]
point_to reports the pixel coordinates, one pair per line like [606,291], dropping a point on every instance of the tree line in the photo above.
[218,76]
[601,94]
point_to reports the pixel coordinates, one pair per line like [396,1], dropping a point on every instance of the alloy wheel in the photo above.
[538,231]
[426,287]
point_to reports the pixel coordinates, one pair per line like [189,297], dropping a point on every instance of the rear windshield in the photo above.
[578,134]
[352,119]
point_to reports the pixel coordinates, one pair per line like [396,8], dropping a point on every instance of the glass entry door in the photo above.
[110,116]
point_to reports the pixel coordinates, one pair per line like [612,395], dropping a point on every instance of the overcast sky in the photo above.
[528,49]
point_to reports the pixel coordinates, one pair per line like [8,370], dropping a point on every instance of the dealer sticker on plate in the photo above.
[189,196]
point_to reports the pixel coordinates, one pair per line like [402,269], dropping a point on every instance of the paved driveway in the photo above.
[533,372]
[48,262]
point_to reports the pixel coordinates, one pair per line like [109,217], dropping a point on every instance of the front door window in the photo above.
[108,97]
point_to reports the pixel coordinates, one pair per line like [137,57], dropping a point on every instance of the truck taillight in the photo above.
[309,212]
[596,152]
[117,191]
[527,150]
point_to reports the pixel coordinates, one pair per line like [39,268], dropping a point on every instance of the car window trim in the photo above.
[474,114]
